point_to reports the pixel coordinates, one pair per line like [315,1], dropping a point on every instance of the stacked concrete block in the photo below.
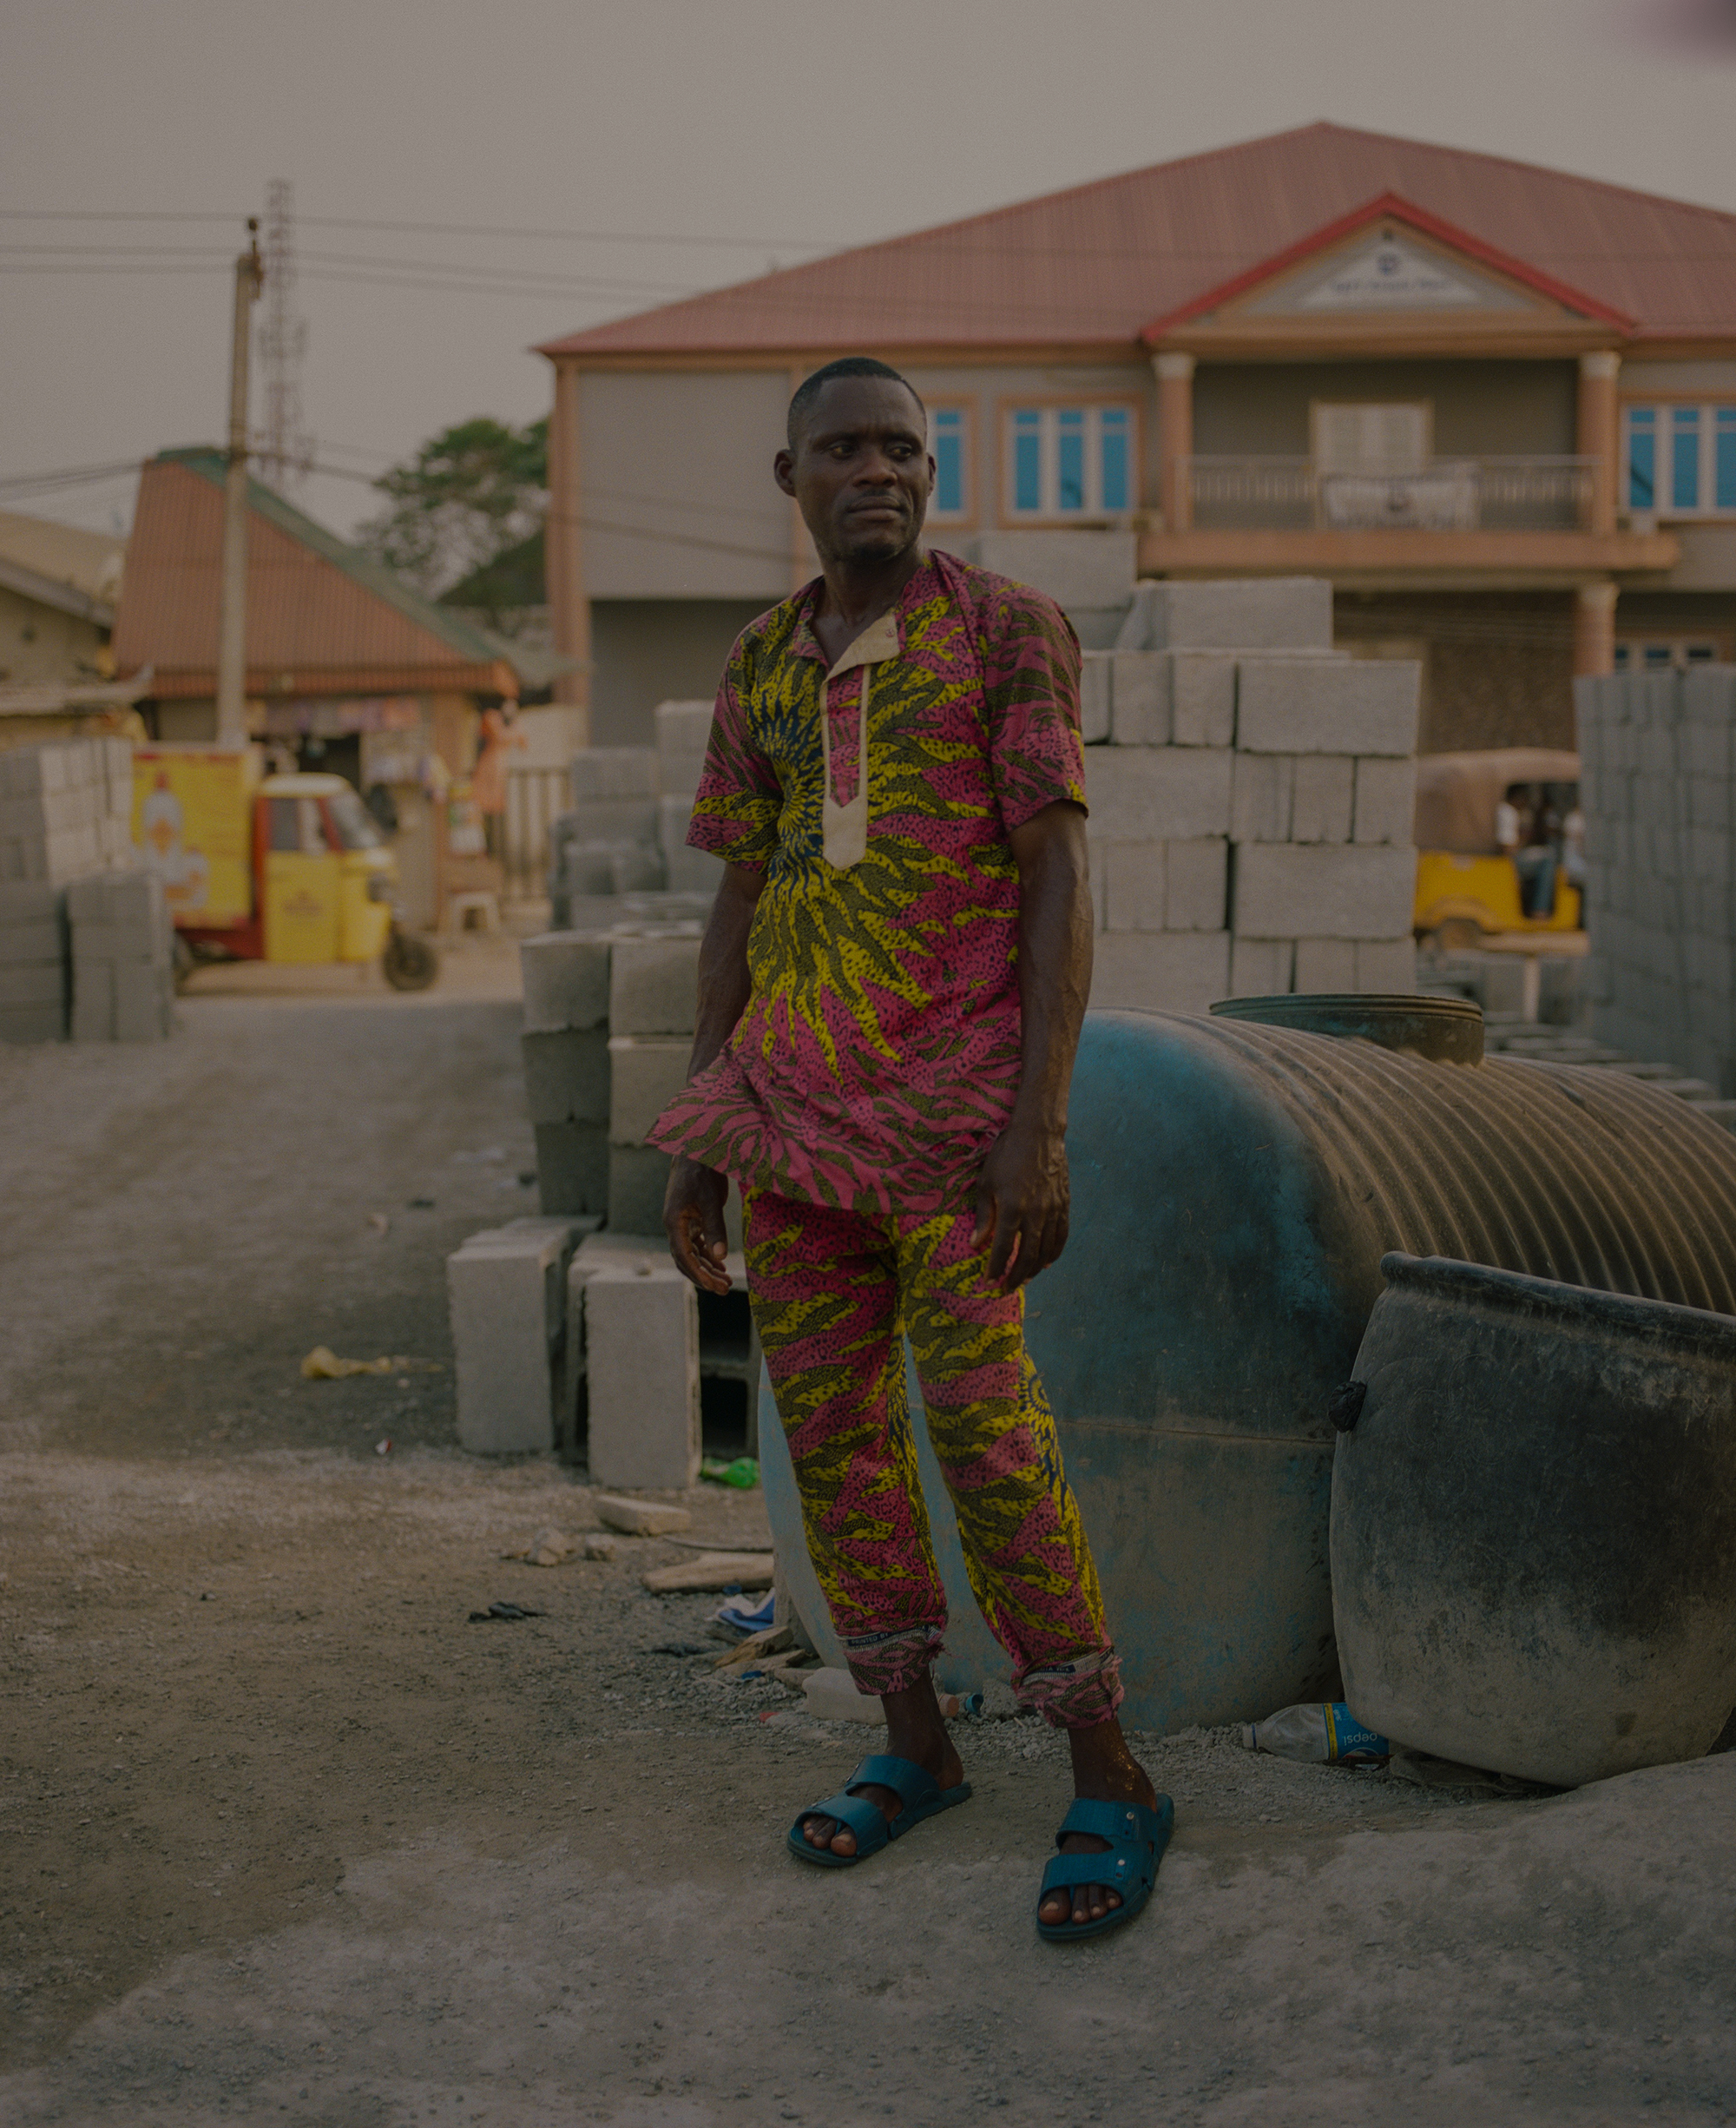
[609,843]
[33,961]
[653,996]
[122,958]
[683,733]
[565,1067]
[1089,575]
[1251,791]
[66,808]
[639,1321]
[506,1289]
[1657,773]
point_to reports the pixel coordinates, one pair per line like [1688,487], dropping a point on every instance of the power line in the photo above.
[436,228]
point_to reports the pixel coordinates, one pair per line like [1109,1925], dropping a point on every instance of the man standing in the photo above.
[891,992]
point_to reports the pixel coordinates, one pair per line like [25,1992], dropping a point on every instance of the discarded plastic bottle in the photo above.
[1328,1734]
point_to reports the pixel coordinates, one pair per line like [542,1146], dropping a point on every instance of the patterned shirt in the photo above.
[878,1056]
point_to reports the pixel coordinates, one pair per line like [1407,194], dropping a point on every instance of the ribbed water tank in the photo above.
[1235,1184]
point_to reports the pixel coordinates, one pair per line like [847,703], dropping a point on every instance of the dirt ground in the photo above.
[288,1838]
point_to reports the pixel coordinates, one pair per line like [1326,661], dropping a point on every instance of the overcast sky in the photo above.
[679,144]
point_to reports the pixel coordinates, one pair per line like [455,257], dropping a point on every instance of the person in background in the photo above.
[488,778]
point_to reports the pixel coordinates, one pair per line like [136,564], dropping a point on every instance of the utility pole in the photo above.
[231,637]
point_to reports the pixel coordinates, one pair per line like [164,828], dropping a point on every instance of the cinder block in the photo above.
[1202,691]
[1385,800]
[144,1002]
[1325,792]
[24,943]
[611,821]
[1285,890]
[92,1018]
[1094,696]
[572,1167]
[653,987]
[688,870]
[611,774]
[645,1073]
[1262,968]
[638,1180]
[682,728]
[128,900]
[567,1076]
[1242,613]
[1160,972]
[1198,885]
[1138,699]
[1262,799]
[566,981]
[642,1377]
[38,982]
[32,1023]
[1090,571]
[1160,794]
[31,901]
[119,942]
[507,1292]
[1136,884]
[1324,967]
[1326,705]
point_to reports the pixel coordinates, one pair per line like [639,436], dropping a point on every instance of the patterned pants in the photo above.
[834,1294]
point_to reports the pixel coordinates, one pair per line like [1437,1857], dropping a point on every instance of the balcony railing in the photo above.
[1449,495]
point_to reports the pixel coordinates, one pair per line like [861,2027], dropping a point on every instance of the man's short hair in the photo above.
[846,365]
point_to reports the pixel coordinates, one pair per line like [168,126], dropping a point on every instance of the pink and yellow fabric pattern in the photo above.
[878,1059]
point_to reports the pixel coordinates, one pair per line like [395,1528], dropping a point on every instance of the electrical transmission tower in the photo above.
[286,451]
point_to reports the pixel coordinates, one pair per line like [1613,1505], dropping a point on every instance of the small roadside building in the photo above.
[349,668]
[58,586]
[1494,403]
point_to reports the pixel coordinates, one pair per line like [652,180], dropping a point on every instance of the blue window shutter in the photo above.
[1685,459]
[1027,461]
[1115,458]
[1643,458]
[949,462]
[1723,462]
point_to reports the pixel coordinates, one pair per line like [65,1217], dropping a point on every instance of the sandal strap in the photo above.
[1117,1821]
[864,1819]
[911,1783]
[1116,1872]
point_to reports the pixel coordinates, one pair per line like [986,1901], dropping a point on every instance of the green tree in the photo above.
[470,494]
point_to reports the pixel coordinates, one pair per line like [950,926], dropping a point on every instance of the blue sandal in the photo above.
[1137,1838]
[919,1792]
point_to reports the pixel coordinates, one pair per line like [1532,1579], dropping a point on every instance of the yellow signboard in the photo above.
[192,822]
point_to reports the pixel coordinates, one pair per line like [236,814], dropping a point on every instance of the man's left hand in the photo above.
[1022,1203]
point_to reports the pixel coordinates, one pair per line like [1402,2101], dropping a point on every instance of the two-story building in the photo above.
[1495,404]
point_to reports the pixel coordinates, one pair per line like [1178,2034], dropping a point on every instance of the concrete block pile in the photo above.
[565,1045]
[507,1291]
[66,809]
[627,831]
[633,1321]
[1657,773]
[87,945]
[122,958]
[1252,795]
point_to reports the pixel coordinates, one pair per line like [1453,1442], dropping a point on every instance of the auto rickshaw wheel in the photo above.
[409,963]
[186,960]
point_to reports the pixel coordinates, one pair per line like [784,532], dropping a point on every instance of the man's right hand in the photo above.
[692,1219]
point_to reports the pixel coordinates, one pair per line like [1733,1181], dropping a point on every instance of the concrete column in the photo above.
[1174,375]
[564,551]
[1598,437]
[1595,628]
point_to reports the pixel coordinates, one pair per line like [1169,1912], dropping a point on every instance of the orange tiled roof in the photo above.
[321,618]
[1093,266]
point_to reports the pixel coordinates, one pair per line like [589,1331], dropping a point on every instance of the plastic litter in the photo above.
[507,1613]
[1327,1735]
[743,1473]
[748,1615]
[322,1364]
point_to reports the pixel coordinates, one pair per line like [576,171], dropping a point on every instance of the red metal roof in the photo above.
[1093,266]
[321,619]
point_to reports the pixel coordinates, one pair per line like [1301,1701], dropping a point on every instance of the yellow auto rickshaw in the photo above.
[292,868]
[1472,882]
